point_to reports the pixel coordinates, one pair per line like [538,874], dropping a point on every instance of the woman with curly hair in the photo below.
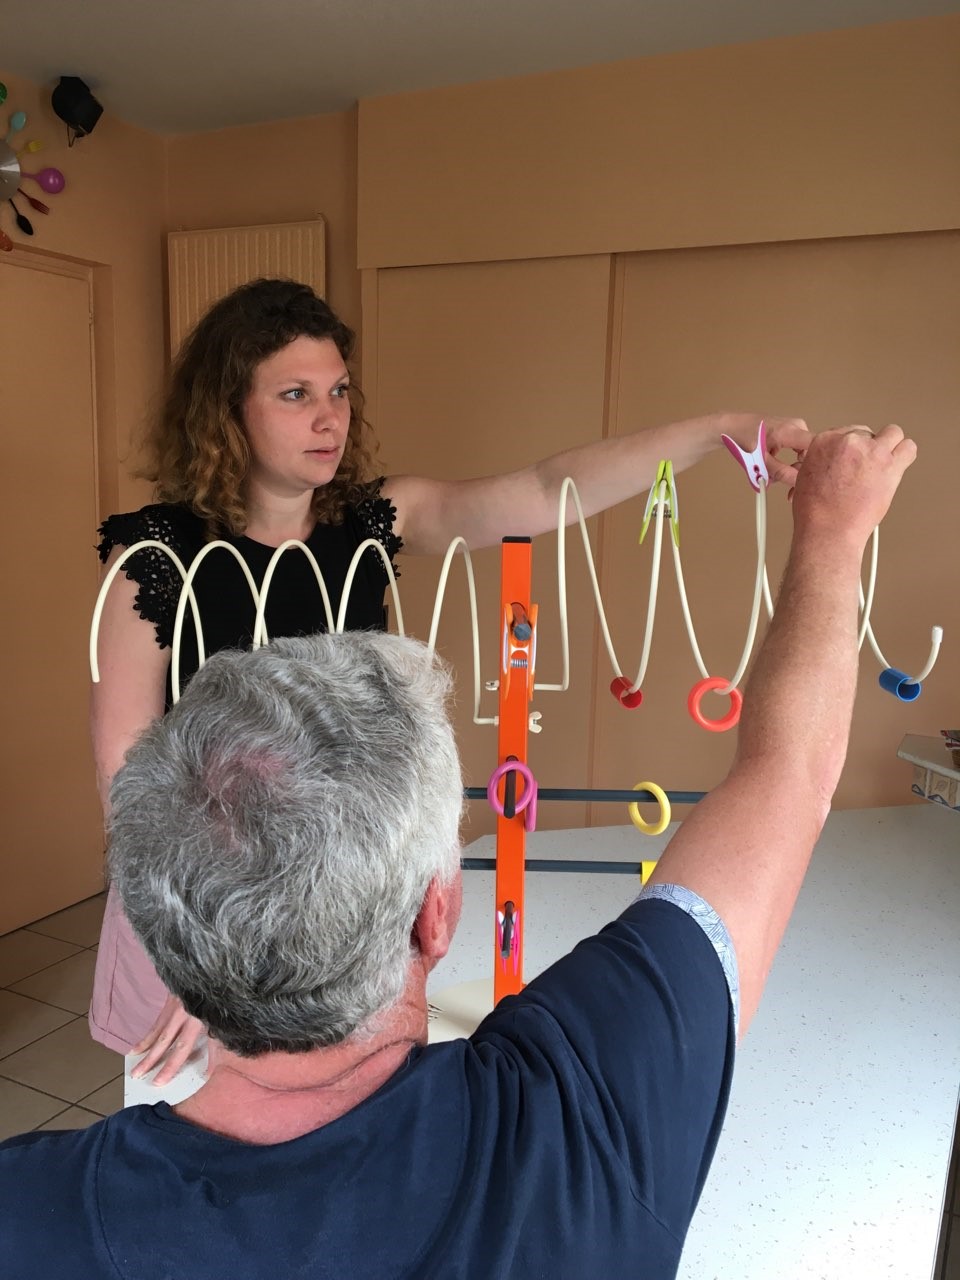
[261,439]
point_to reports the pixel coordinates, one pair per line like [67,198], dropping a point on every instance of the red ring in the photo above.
[708,686]
[619,686]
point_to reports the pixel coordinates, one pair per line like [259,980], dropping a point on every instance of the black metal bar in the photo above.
[510,791]
[597,794]
[583,865]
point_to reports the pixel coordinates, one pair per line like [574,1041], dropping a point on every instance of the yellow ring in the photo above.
[661,824]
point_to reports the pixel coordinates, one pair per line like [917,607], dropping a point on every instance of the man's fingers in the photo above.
[905,452]
[902,449]
[891,436]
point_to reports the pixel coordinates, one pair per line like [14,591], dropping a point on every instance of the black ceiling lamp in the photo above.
[76,106]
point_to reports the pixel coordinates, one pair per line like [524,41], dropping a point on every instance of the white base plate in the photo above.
[185,1083]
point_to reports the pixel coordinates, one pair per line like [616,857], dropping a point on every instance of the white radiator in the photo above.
[204,265]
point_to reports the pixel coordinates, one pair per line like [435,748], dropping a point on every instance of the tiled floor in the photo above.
[53,1076]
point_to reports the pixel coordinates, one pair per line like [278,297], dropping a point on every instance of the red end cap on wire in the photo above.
[620,687]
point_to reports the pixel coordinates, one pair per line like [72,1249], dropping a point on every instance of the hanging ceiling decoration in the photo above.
[51,181]
[76,106]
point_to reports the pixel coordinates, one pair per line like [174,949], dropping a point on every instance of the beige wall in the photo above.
[830,137]
[471,356]
[281,172]
[102,241]
[861,330]
[126,188]
[849,133]
[111,213]
[847,139]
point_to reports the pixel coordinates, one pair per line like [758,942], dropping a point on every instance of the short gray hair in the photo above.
[273,836]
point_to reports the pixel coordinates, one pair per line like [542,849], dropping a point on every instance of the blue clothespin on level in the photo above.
[664,477]
[754,463]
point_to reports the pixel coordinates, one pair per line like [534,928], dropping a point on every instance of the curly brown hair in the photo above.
[197,450]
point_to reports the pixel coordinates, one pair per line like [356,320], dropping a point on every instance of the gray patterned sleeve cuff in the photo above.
[712,926]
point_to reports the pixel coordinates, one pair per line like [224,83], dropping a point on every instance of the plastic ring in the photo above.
[528,801]
[708,686]
[661,824]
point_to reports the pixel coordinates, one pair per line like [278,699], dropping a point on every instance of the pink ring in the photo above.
[708,686]
[527,803]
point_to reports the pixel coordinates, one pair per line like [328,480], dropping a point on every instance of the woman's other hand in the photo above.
[169,1043]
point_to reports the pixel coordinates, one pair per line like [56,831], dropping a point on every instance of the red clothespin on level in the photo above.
[753,462]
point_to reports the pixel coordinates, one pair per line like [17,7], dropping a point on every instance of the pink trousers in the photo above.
[127,993]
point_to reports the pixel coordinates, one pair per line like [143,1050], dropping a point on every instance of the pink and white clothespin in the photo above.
[754,463]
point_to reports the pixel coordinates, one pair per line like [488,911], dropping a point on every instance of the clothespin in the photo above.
[664,478]
[754,463]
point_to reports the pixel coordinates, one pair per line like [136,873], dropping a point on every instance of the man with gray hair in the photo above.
[285,844]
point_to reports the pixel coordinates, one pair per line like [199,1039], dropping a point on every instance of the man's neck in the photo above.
[281,1096]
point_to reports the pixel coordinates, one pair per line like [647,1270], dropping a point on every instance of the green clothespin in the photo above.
[665,479]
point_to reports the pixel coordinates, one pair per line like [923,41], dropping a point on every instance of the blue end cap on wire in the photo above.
[900,685]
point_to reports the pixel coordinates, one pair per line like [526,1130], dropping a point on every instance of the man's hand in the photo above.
[745,847]
[782,433]
[847,481]
[170,1041]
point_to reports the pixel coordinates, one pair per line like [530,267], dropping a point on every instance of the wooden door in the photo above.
[51,842]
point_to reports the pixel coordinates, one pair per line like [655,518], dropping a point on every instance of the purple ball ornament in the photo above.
[51,180]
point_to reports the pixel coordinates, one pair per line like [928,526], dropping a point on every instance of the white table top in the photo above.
[834,1157]
[931,753]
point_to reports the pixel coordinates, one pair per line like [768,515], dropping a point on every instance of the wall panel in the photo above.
[835,331]
[835,134]
[480,369]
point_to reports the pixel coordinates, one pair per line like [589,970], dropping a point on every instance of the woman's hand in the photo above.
[782,433]
[170,1041]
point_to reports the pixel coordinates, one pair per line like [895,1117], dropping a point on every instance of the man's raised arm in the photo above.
[746,846]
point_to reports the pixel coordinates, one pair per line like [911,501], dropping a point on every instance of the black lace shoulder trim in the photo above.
[377,517]
[155,574]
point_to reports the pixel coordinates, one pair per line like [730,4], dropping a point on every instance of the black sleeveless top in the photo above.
[227,612]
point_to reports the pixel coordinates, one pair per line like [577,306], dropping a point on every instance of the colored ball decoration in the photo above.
[51,180]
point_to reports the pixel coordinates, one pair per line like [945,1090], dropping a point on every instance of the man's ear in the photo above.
[437,918]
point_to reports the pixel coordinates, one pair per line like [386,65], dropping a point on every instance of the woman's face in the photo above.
[296,416]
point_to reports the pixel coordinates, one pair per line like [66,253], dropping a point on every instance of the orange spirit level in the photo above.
[515,790]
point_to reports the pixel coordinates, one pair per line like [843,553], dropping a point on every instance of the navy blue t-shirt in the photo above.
[569,1137]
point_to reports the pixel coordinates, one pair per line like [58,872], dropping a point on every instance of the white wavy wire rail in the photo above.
[568,490]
